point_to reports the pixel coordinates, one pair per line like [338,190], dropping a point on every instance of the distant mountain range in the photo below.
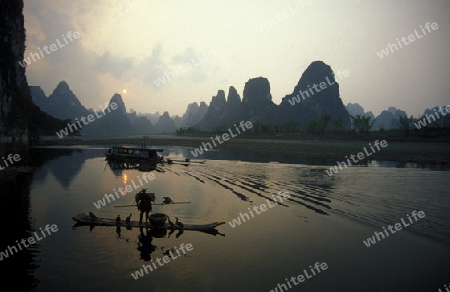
[387,119]
[390,119]
[314,103]
[315,98]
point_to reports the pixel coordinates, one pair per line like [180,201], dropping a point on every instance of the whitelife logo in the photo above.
[90,118]
[10,158]
[281,16]
[411,38]
[258,210]
[360,156]
[165,260]
[147,177]
[178,70]
[198,151]
[423,122]
[52,47]
[31,240]
[323,85]
[317,269]
[380,235]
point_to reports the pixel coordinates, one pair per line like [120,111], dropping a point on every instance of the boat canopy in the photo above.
[125,151]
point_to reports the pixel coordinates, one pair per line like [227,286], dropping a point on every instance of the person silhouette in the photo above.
[144,204]
[145,245]
[118,231]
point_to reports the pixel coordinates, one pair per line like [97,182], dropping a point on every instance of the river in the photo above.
[325,220]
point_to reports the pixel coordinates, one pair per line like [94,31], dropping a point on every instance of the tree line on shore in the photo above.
[361,124]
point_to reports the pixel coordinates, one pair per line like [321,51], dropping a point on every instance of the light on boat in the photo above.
[124,178]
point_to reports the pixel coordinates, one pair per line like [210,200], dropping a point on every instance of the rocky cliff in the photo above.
[194,114]
[165,125]
[12,75]
[19,117]
[388,119]
[316,93]
[216,112]
[257,104]
[62,103]
[354,109]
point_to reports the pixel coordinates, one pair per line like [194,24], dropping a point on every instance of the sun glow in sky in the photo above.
[202,46]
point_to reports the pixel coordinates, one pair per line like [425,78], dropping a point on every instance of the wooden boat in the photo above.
[89,220]
[126,153]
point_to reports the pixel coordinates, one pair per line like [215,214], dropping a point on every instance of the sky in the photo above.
[203,46]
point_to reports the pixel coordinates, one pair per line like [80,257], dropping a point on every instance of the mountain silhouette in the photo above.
[298,108]
[315,95]
[165,125]
[64,104]
[194,114]
[388,119]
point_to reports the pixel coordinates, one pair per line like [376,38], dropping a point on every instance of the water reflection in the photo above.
[218,189]
[249,156]
[118,166]
[145,245]
[403,164]
[16,207]
[67,163]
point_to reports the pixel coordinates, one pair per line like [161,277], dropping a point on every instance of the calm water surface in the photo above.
[326,220]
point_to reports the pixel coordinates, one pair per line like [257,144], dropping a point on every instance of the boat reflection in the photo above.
[159,232]
[117,165]
[146,235]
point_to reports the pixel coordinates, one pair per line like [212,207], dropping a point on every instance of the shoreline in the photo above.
[11,173]
[398,150]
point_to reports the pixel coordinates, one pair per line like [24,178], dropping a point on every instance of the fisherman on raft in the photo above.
[144,204]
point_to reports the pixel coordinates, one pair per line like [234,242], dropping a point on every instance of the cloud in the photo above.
[114,65]
[198,61]
[152,67]
[185,57]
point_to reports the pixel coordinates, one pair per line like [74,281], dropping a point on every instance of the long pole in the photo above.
[155,204]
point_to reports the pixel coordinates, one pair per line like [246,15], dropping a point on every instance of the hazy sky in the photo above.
[212,45]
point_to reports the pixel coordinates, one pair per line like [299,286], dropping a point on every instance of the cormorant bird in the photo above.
[167,200]
[128,219]
[170,222]
[179,223]
[167,252]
